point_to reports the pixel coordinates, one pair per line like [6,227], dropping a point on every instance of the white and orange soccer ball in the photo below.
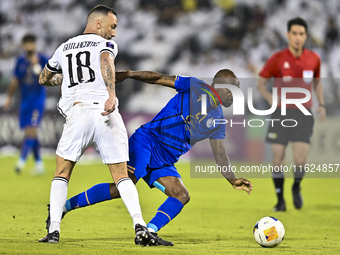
[269,232]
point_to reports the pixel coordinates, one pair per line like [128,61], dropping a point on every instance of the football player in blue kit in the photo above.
[32,97]
[155,147]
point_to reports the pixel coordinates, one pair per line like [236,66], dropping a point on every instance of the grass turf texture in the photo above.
[217,220]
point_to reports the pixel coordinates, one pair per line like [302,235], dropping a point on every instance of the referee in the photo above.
[298,67]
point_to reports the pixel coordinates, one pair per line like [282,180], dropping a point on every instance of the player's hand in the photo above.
[243,184]
[7,105]
[110,106]
[321,111]
[121,76]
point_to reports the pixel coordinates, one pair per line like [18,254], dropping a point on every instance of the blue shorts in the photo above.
[30,116]
[140,153]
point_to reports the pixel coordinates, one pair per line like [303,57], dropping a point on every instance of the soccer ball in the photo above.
[269,232]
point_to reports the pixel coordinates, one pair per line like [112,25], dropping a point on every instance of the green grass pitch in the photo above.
[217,220]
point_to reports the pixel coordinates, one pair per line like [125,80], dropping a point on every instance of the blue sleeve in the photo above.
[219,132]
[16,72]
[182,83]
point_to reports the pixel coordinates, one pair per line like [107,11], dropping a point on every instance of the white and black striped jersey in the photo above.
[79,60]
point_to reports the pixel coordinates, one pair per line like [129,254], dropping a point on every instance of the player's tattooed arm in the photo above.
[108,73]
[222,160]
[48,78]
[151,77]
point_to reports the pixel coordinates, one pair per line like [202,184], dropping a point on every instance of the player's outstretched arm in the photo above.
[49,78]
[109,75]
[222,160]
[148,77]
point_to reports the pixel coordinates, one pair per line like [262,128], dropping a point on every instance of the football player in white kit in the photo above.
[90,106]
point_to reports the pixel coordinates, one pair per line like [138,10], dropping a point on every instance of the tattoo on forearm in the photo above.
[50,79]
[108,77]
[221,157]
[56,80]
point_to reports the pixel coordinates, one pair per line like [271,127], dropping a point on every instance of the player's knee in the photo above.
[114,193]
[181,194]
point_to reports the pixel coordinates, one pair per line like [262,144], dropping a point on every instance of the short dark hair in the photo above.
[28,38]
[297,21]
[226,76]
[102,9]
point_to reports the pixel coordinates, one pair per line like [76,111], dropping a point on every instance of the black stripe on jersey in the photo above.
[161,130]
[171,146]
[107,50]
[61,111]
[50,68]
[172,115]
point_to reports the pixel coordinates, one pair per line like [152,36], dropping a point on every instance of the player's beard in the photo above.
[30,53]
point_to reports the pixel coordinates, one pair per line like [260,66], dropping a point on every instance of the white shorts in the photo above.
[86,127]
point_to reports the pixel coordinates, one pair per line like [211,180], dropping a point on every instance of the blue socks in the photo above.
[26,147]
[96,194]
[166,212]
[101,192]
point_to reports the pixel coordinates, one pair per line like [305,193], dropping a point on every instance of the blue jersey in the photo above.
[180,124]
[32,93]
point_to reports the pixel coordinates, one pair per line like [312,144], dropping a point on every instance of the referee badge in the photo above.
[308,76]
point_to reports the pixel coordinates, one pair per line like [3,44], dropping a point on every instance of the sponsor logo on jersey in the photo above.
[286,65]
[210,122]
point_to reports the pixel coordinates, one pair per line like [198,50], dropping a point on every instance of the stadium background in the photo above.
[190,37]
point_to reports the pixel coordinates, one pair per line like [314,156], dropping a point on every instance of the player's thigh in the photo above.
[300,152]
[77,133]
[304,128]
[174,187]
[118,171]
[139,155]
[64,167]
[111,139]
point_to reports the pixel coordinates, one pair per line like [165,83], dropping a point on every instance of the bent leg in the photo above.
[96,194]
[178,196]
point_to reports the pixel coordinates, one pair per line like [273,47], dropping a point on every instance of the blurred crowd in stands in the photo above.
[191,37]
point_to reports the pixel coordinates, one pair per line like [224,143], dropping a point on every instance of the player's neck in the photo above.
[295,52]
[89,30]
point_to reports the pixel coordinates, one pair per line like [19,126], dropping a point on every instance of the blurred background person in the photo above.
[32,100]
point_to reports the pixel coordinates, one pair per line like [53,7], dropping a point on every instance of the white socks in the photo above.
[129,195]
[58,197]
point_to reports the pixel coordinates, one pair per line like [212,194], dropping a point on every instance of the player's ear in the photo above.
[99,23]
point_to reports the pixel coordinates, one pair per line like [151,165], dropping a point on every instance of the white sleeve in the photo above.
[53,65]
[110,46]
